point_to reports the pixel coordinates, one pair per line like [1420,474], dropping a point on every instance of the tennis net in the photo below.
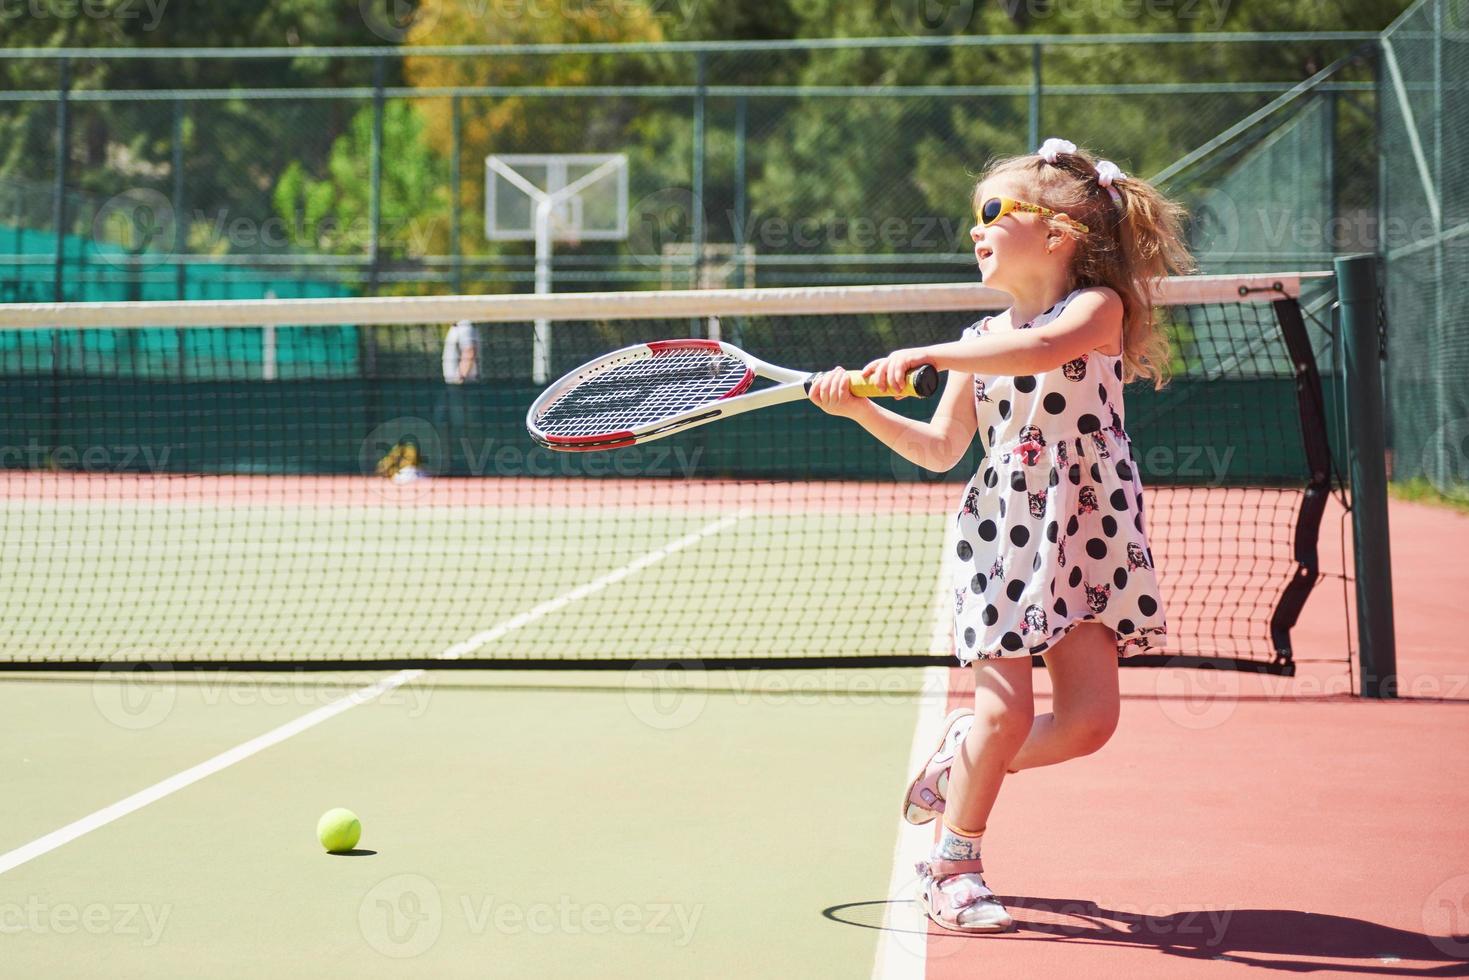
[293,483]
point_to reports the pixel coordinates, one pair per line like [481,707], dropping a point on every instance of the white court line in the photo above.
[171,785]
[902,944]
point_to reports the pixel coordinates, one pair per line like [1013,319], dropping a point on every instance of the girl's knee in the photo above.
[1090,734]
[1007,724]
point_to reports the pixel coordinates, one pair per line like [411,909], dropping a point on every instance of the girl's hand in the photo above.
[891,373]
[833,395]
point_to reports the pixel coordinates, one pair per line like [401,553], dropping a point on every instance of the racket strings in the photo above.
[644,390]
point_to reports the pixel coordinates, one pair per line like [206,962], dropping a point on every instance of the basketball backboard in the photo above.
[588,192]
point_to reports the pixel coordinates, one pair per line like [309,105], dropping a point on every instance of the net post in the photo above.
[1366,456]
[375,178]
[181,228]
[456,142]
[1035,95]
[58,204]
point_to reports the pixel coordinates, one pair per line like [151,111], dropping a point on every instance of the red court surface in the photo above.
[1239,822]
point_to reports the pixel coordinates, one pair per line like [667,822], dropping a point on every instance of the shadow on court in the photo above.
[1278,939]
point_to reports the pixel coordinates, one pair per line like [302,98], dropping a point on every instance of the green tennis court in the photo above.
[281,293]
[515,826]
[447,569]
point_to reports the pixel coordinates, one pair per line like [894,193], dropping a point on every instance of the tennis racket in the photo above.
[648,391]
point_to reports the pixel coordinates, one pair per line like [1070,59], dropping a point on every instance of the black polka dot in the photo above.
[987,530]
[1055,477]
[1102,393]
[1119,500]
[1117,368]
[991,478]
[1051,532]
[1002,506]
[965,551]
[1055,403]
[1075,578]
[969,637]
[1096,548]
[1060,607]
[1035,565]
[1150,557]
[1019,535]
[1147,605]
[1124,470]
[1109,526]
[1025,383]
[1072,525]
[977,584]
[1010,641]
[1126,626]
[1015,589]
[1138,522]
[1088,423]
[1096,473]
[1119,578]
[1039,648]
[1004,409]
[992,435]
[990,616]
[1074,474]
[1017,481]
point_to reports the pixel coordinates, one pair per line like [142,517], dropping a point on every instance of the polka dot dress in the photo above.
[1051,530]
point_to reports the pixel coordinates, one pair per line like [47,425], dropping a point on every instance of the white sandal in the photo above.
[924,799]
[968,905]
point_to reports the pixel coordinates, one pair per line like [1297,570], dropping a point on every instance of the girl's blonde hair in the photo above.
[1130,244]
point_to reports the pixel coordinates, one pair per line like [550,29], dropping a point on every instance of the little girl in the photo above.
[1051,553]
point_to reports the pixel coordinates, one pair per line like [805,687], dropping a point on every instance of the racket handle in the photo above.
[921,383]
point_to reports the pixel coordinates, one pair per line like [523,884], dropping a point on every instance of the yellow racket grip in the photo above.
[921,383]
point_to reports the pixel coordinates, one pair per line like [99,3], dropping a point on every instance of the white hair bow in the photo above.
[1053,147]
[1107,173]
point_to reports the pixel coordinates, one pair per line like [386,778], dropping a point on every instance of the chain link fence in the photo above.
[791,163]
[788,163]
[1424,78]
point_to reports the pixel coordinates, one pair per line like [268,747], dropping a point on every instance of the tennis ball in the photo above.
[339,830]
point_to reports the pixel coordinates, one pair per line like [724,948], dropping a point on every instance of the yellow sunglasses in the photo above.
[997,207]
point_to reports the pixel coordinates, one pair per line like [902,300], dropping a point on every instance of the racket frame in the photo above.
[791,386]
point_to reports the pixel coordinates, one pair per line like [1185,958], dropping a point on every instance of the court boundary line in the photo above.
[895,959]
[167,787]
[907,958]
